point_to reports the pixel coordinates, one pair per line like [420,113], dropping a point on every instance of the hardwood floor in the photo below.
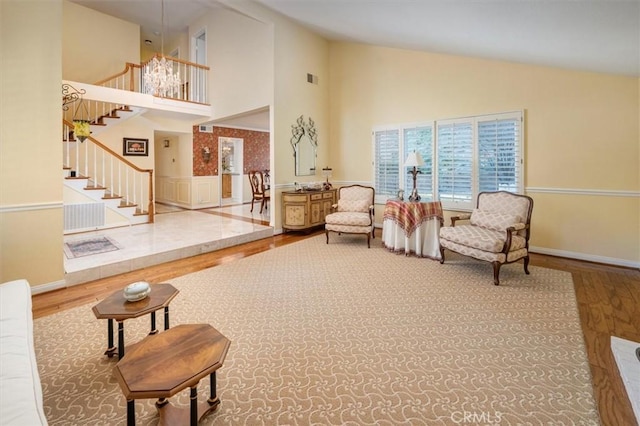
[608,303]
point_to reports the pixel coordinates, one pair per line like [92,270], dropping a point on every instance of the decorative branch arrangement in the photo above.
[300,129]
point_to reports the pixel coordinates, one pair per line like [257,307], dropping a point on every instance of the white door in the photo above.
[231,164]
[198,86]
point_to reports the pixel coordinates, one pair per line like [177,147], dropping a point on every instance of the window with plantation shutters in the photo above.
[463,157]
[419,139]
[455,163]
[386,163]
[499,157]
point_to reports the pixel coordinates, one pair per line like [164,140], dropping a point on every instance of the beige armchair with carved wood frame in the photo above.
[498,231]
[354,212]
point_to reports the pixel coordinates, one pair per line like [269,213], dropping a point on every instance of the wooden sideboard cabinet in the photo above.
[303,210]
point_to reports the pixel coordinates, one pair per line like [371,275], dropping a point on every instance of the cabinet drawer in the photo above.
[316,197]
[328,194]
[294,198]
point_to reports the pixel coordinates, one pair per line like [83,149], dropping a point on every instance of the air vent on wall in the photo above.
[313,79]
[206,129]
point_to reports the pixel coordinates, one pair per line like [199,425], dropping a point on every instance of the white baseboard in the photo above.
[585,256]
[43,288]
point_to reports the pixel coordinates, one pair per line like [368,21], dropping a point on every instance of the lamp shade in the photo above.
[414,159]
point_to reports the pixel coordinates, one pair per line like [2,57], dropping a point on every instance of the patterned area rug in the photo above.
[339,334]
[87,247]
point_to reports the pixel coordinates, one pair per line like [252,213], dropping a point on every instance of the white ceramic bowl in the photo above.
[137,291]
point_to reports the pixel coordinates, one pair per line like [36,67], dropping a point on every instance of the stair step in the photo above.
[111,197]
[94,188]
[125,205]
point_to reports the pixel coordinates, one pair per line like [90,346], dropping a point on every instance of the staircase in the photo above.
[102,188]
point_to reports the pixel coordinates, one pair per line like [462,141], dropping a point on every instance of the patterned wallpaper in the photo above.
[255,146]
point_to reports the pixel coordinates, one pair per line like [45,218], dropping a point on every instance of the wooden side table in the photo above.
[116,307]
[162,365]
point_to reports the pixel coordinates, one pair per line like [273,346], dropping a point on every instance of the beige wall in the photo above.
[294,52]
[95,45]
[297,52]
[30,134]
[581,138]
[239,55]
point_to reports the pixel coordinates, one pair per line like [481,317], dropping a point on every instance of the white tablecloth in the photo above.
[422,242]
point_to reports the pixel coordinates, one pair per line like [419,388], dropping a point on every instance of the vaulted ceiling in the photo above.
[594,35]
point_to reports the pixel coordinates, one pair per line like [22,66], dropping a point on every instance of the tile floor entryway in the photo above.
[176,234]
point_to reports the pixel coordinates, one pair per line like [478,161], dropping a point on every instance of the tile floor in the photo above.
[176,234]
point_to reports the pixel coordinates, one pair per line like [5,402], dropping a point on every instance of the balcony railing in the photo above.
[193,79]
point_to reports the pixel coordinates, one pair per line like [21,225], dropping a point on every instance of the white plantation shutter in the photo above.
[386,163]
[455,163]
[419,139]
[499,154]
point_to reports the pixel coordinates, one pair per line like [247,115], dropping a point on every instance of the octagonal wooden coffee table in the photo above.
[116,307]
[162,365]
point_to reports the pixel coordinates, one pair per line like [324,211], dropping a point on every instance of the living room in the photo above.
[581,140]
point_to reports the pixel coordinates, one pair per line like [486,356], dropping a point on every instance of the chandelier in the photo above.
[159,78]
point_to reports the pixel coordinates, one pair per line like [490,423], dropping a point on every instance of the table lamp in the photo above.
[326,172]
[414,160]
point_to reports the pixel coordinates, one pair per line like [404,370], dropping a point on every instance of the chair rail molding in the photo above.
[30,207]
[576,191]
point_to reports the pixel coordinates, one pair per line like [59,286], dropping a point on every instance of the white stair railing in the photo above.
[106,169]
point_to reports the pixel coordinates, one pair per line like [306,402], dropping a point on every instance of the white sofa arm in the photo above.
[20,388]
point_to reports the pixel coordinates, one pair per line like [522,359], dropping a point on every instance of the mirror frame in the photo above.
[301,134]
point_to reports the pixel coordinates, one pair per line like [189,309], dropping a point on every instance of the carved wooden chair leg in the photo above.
[441,255]
[526,265]
[327,233]
[496,272]
[369,240]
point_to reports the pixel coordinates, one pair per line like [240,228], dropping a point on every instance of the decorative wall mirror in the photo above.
[304,141]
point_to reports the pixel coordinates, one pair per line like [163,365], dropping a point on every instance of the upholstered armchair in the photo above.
[498,231]
[354,212]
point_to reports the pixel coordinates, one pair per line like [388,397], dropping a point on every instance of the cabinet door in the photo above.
[317,216]
[326,208]
[294,214]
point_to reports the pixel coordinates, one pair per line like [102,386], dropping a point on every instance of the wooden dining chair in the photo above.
[258,189]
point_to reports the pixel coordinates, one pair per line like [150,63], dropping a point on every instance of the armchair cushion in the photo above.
[493,220]
[349,219]
[481,238]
